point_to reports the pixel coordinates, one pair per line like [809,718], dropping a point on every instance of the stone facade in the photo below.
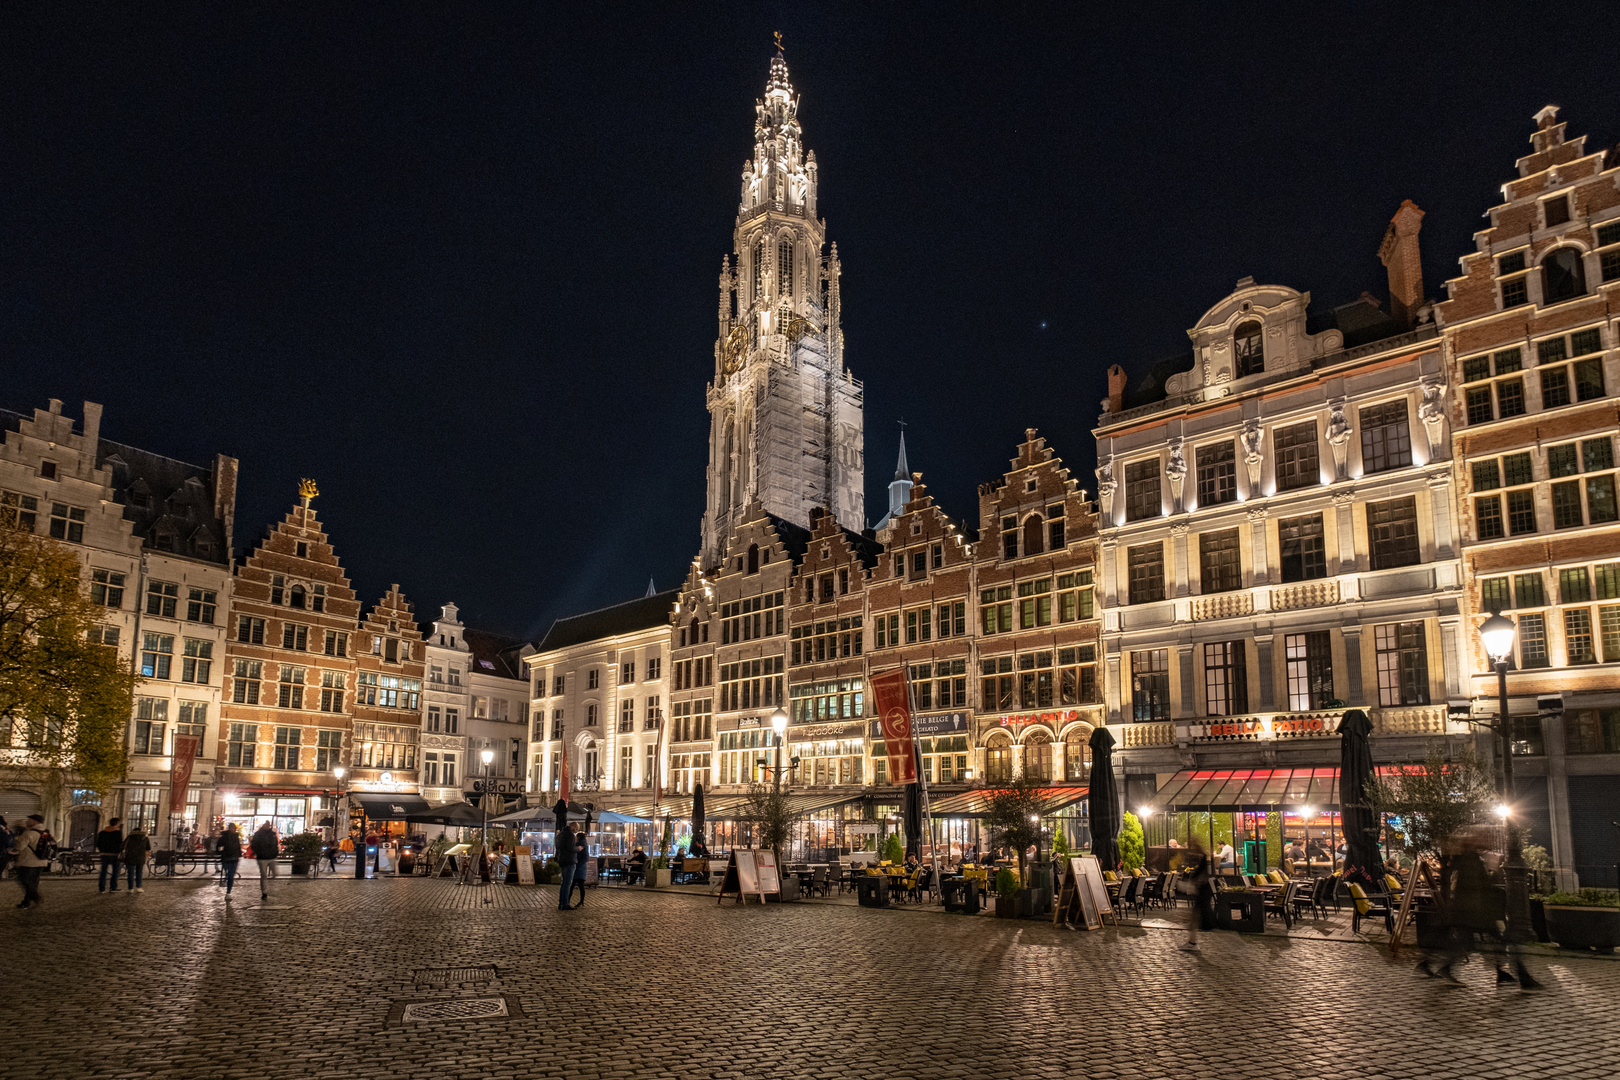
[1531,344]
[389,666]
[155,537]
[786,417]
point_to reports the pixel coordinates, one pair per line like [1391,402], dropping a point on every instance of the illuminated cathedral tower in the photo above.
[785,414]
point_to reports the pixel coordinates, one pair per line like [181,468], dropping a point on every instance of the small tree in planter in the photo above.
[1436,801]
[1132,842]
[1009,807]
[894,849]
[1006,895]
[771,815]
[1060,845]
[304,849]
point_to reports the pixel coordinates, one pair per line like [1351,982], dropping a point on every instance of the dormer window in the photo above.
[1556,210]
[1248,350]
[1033,530]
[278,588]
[301,550]
[295,597]
[1562,276]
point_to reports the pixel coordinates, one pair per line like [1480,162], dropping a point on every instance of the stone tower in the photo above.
[786,420]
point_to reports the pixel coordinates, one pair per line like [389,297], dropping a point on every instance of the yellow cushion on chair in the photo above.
[1109,875]
[1276,877]
[1359,895]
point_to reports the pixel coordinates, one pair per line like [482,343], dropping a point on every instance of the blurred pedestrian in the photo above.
[1476,907]
[1198,881]
[33,855]
[567,860]
[265,848]
[230,854]
[7,835]
[109,846]
[136,845]
[582,855]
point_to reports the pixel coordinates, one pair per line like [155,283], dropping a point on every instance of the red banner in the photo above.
[562,783]
[185,754]
[894,712]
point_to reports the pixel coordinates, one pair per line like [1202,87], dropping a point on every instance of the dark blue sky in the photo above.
[458,263]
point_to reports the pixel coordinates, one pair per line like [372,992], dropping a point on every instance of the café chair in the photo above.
[1282,904]
[1368,907]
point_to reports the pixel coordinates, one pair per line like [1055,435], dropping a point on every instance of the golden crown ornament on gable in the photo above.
[307,490]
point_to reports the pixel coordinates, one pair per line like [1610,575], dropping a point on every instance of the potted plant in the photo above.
[550,874]
[1013,810]
[659,874]
[304,849]
[1589,919]
[771,814]
[1132,842]
[1006,895]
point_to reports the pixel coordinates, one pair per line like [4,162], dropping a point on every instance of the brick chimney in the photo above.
[1400,256]
[1116,389]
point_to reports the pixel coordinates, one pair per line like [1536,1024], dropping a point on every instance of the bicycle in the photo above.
[68,863]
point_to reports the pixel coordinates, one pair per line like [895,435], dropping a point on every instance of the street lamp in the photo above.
[1498,633]
[360,844]
[488,757]
[779,724]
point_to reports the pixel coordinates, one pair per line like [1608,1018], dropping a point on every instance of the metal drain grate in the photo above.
[454,976]
[459,1009]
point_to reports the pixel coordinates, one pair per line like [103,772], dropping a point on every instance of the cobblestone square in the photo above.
[342,978]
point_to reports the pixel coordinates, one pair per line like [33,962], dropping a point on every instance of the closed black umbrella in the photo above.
[914,821]
[1356,817]
[697,817]
[1104,799]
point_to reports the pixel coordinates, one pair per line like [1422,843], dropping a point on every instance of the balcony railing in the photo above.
[1222,606]
[1306,594]
[1416,720]
[1134,736]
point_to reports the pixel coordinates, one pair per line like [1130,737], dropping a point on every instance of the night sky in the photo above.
[459,263]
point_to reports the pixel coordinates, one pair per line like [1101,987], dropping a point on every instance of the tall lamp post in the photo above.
[779,723]
[360,842]
[488,758]
[1498,633]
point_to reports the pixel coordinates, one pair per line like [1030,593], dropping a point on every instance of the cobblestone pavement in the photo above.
[176,984]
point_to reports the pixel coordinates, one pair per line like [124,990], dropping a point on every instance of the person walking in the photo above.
[31,859]
[229,848]
[1476,908]
[1202,915]
[136,845]
[332,855]
[265,848]
[110,846]
[582,856]
[567,860]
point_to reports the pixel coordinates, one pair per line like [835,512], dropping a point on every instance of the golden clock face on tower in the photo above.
[732,349]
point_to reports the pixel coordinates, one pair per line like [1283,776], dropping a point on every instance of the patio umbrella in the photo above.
[697,817]
[1104,800]
[913,816]
[1356,817]
[458,814]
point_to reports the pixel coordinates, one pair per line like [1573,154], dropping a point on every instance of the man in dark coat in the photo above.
[109,845]
[265,848]
[567,858]
[582,855]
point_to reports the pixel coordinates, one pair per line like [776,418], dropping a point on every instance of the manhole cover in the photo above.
[481,973]
[460,1009]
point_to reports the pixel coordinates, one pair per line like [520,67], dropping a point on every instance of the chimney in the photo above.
[1116,389]
[1400,256]
[225,500]
[92,433]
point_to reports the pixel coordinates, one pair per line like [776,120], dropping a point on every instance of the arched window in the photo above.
[753,558]
[998,758]
[759,268]
[1248,350]
[1032,534]
[1038,756]
[1077,754]
[693,637]
[1563,277]
[296,597]
[784,267]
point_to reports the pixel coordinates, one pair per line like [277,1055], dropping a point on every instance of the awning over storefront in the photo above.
[976,804]
[390,807]
[730,807]
[1253,790]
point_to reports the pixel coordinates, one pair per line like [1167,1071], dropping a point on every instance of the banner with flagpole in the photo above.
[894,713]
[562,783]
[185,756]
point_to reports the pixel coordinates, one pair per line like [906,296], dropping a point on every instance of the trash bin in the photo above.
[872,890]
[1254,856]
[962,895]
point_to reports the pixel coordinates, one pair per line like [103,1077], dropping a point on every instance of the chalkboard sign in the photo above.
[525,866]
[1077,904]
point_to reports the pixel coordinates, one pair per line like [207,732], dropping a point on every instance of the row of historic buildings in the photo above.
[1311,509]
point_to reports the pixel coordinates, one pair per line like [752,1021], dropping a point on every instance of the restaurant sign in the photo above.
[1051,719]
[827,731]
[498,787]
[1252,729]
[954,723]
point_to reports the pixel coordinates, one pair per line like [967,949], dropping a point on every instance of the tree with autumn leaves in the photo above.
[65,699]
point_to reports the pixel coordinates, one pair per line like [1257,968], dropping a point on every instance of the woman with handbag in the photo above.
[1197,885]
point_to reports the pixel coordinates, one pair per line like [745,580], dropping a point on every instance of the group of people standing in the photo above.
[117,850]
[573,851]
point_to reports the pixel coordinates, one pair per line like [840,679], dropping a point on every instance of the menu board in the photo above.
[525,866]
[765,862]
[742,878]
[1092,887]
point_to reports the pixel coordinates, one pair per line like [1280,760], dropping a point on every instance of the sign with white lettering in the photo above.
[954,723]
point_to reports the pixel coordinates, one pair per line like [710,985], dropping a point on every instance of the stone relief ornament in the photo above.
[1175,467]
[1338,436]
[1431,410]
[1105,484]
[1252,438]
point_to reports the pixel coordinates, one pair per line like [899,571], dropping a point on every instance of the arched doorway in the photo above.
[16,804]
[82,825]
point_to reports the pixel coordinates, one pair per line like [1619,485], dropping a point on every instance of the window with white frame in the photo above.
[1510,507]
[1570,367]
[1226,684]
[1493,386]
[151,724]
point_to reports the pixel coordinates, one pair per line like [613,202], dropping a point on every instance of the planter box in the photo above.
[300,869]
[1244,912]
[872,891]
[1025,899]
[962,895]
[790,890]
[1583,927]
[659,879]
[1006,907]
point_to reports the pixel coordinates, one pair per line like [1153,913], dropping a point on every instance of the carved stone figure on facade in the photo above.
[1252,438]
[1105,484]
[1338,436]
[1431,410]
[1175,468]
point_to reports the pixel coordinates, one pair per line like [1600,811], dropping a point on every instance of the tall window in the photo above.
[1309,660]
[245,684]
[1145,565]
[1562,276]
[1594,457]
[151,720]
[157,653]
[1034,534]
[241,745]
[197,664]
[1217,474]
[1219,566]
[1226,685]
[1248,350]
[1142,490]
[1392,533]
[1386,440]
[161,597]
[784,267]
[1403,664]
[1150,684]
[996,685]
[200,605]
[290,690]
[1485,400]
[1303,555]
[1297,465]
[288,741]
[759,268]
